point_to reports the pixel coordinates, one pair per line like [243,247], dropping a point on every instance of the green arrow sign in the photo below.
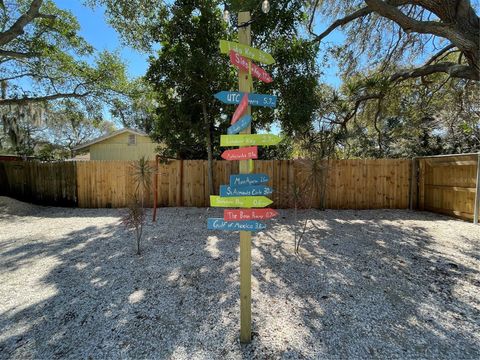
[249,139]
[240,201]
[247,51]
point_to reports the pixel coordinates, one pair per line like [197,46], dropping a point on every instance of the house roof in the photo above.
[102,138]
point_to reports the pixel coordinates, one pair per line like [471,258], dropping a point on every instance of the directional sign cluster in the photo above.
[248,192]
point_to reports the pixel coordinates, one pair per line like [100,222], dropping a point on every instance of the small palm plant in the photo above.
[141,172]
[318,148]
[303,196]
[298,199]
[135,219]
[142,177]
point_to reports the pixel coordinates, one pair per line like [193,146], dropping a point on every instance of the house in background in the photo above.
[125,144]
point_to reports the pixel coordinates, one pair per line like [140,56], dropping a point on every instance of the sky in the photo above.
[98,33]
[102,36]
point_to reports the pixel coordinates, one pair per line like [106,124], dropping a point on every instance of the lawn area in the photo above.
[367,284]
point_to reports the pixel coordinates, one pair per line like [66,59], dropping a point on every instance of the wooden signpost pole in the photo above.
[245,236]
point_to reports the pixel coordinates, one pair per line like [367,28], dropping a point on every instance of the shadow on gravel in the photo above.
[362,288]
[110,303]
[376,288]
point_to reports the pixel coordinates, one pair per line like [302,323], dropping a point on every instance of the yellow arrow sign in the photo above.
[247,51]
[249,139]
[240,201]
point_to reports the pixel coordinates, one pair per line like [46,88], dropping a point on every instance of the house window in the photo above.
[132,140]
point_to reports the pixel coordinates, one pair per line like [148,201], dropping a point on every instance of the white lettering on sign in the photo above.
[221,224]
[247,181]
[233,97]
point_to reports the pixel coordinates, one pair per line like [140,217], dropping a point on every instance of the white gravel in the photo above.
[368,284]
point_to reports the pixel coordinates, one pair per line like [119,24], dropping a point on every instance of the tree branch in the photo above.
[13,77]
[440,53]
[18,26]
[353,16]
[26,100]
[47,16]
[17,55]
[409,24]
[450,68]
[340,22]
[358,101]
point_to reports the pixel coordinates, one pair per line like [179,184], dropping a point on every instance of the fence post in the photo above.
[421,184]
[477,193]
[180,183]
[413,181]
[155,190]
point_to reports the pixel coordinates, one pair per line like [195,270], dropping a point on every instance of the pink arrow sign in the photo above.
[248,214]
[241,108]
[245,153]
[242,63]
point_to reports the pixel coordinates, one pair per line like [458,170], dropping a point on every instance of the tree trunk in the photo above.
[10,125]
[209,149]
[4,116]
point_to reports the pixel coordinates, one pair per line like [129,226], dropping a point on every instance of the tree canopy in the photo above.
[40,44]
[43,60]
[409,71]
[409,74]
[185,43]
[186,73]
[392,32]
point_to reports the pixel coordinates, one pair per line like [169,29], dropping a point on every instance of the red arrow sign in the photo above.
[248,214]
[241,108]
[241,154]
[242,63]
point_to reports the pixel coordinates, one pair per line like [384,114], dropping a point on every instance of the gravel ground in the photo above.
[367,284]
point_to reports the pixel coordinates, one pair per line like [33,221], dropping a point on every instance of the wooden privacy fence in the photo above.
[351,184]
[42,183]
[442,184]
[448,184]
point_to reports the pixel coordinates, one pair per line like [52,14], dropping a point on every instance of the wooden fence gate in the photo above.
[448,185]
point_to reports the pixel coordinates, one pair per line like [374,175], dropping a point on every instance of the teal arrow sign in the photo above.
[247,225]
[240,125]
[248,179]
[258,190]
[234,97]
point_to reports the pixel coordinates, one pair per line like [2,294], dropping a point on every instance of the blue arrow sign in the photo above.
[240,125]
[234,97]
[248,225]
[248,179]
[258,190]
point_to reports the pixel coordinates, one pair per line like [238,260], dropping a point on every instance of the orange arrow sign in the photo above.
[245,153]
[241,108]
[248,214]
